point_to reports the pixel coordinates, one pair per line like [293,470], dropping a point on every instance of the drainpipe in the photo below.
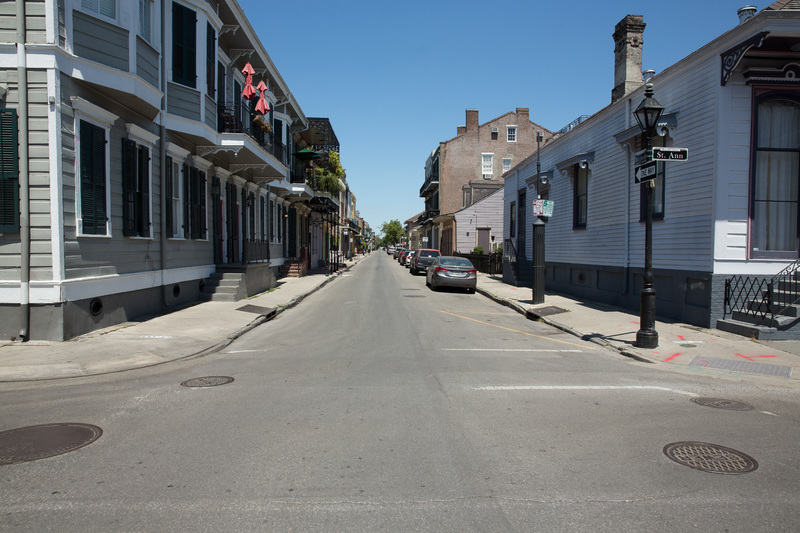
[162,134]
[24,193]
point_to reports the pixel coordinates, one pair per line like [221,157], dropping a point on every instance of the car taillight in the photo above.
[441,269]
[473,271]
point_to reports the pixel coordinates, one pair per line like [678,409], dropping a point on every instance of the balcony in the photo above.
[239,119]
[427,216]
[431,184]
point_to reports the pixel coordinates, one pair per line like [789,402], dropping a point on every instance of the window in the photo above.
[174,179]
[512,223]
[579,204]
[506,164]
[220,84]
[211,59]
[512,134]
[145,19]
[93,218]
[196,202]
[9,171]
[263,217]
[658,195]
[107,8]
[272,221]
[135,189]
[487,165]
[776,173]
[184,35]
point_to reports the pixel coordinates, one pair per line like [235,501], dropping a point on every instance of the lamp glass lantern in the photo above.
[648,112]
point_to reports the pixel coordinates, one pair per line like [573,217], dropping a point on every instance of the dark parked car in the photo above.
[422,259]
[405,259]
[397,252]
[449,271]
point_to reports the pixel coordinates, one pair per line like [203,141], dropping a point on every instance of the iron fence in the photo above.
[762,297]
[488,264]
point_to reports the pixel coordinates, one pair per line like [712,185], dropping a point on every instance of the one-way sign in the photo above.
[670,154]
[646,172]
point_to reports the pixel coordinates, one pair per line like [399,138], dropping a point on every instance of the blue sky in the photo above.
[396,77]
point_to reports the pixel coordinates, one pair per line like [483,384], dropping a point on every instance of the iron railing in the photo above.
[255,252]
[510,254]
[239,119]
[761,297]
[488,264]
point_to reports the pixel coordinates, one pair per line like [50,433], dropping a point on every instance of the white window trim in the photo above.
[97,13]
[93,114]
[508,132]
[148,140]
[504,164]
[179,156]
[491,173]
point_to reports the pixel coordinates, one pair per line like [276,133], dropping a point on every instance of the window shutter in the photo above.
[93,178]
[168,177]
[186,207]
[128,187]
[9,172]
[201,208]
[143,212]
[211,58]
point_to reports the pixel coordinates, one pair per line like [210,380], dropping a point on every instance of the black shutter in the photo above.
[9,172]
[93,178]
[170,231]
[201,188]
[143,195]
[186,206]
[129,176]
[211,58]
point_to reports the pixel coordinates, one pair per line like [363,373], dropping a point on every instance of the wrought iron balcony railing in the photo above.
[239,119]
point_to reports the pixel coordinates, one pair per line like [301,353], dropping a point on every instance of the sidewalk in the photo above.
[705,351]
[189,332]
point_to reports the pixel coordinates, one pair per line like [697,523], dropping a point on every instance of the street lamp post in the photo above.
[647,115]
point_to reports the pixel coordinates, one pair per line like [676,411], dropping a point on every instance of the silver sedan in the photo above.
[449,271]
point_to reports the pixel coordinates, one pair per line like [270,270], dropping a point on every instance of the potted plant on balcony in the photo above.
[262,122]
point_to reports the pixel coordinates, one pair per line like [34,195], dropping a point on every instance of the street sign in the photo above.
[640,158]
[670,154]
[646,172]
[543,208]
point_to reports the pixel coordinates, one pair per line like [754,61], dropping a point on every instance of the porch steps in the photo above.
[293,269]
[785,326]
[224,287]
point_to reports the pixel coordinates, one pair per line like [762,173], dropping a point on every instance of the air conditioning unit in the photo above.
[494,130]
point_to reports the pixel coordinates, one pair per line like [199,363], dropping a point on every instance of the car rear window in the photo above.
[429,253]
[455,261]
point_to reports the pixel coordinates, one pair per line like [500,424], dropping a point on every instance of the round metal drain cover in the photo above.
[47,440]
[719,403]
[208,381]
[711,458]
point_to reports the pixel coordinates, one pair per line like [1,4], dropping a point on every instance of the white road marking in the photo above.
[505,350]
[579,387]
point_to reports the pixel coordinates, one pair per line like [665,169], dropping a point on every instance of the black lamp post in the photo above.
[647,115]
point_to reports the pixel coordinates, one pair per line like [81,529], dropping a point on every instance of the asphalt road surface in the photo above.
[379,405]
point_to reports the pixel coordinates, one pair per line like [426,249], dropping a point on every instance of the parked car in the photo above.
[397,252]
[406,259]
[449,271]
[390,250]
[422,259]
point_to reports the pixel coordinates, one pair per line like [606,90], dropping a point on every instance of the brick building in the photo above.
[469,167]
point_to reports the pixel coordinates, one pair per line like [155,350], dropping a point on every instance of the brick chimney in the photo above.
[627,56]
[523,115]
[472,121]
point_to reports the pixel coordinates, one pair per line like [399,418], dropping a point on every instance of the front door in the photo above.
[216,220]
[484,240]
[232,222]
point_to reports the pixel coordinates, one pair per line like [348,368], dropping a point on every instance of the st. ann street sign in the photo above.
[670,154]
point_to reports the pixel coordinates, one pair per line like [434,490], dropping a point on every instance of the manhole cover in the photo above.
[720,403]
[47,440]
[208,381]
[711,458]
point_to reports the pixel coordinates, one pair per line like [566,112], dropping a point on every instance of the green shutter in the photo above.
[129,174]
[186,205]
[9,172]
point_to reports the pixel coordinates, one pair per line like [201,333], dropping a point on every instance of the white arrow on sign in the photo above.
[646,172]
